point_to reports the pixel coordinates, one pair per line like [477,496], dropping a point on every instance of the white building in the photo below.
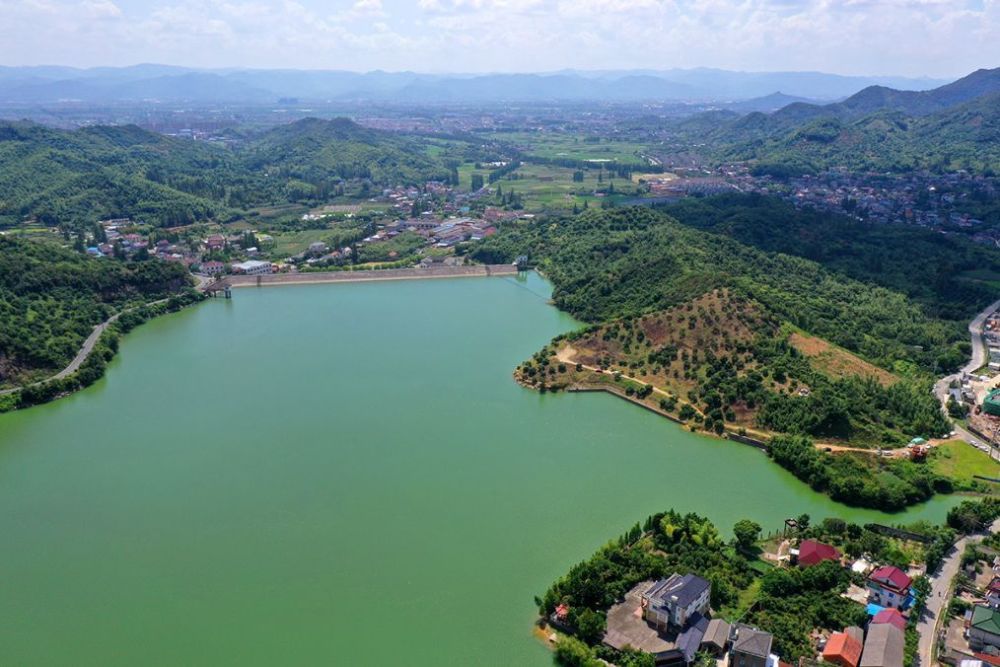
[252,267]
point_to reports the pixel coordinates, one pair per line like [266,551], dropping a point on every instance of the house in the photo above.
[891,616]
[889,586]
[984,629]
[883,646]
[216,242]
[812,552]
[674,600]
[716,638]
[689,641]
[253,267]
[212,268]
[317,248]
[842,649]
[751,647]
[993,593]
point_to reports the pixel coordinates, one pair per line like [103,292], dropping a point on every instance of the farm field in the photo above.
[573,146]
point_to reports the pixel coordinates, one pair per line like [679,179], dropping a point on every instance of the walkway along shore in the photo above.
[317,277]
[84,352]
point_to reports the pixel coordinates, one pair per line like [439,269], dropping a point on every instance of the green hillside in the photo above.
[51,298]
[93,173]
[621,262]
[961,137]
[79,177]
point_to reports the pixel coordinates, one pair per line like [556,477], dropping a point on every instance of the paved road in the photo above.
[84,352]
[941,586]
[978,353]
[977,361]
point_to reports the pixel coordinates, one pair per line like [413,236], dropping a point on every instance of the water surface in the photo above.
[337,474]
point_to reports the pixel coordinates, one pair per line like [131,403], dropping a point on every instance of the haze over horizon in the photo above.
[913,38]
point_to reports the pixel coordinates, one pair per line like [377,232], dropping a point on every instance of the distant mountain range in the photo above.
[164,83]
[911,102]
[955,126]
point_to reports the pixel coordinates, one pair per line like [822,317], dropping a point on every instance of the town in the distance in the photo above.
[811,279]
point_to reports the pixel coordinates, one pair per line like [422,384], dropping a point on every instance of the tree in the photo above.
[747,533]
[590,625]
[477,182]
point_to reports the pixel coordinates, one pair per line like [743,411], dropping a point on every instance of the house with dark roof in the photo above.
[751,647]
[716,639]
[888,586]
[675,600]
[984,629]
[842,649]
[689,641]
[812,552]
[883,646]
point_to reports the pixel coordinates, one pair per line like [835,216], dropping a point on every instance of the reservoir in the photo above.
[338,474]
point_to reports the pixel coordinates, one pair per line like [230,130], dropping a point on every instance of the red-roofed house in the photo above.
[842,649]
[889,586]
[891,616]
[812,552]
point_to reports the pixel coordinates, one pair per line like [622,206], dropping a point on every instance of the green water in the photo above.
[340,474]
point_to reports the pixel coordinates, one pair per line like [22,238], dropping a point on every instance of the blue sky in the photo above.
[938,38]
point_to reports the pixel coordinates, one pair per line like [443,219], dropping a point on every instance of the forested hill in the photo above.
[316,152]
[79,177]
[51,297]
[927,266]
[956,126]
[621,262]
[964,137]
[58,176]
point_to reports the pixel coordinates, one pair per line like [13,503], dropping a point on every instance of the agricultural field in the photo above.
[287,244]
[573,146]
[546,187]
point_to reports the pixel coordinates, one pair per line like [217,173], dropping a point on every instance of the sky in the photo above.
[936,38]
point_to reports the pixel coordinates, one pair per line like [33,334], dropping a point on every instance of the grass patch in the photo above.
[960,461]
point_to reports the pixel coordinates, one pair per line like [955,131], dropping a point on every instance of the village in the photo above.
[673,618]
[402,226]
[935,201]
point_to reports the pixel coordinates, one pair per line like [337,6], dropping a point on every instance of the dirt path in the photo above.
[566,354]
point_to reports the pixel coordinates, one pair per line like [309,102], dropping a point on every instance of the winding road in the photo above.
[84,351]
[941,587]
[978,354]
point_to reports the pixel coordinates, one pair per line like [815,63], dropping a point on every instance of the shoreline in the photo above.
[372,275]
[91,361]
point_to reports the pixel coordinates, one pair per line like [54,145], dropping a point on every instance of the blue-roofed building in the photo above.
[873,609]
[675,600]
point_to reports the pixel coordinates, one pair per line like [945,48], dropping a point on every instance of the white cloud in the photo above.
[935,37]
